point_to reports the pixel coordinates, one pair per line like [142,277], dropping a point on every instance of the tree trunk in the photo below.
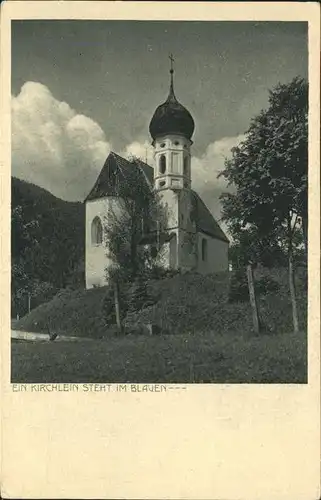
[117,307]
[255,314]
[293,295]
[291,276]
[305,234]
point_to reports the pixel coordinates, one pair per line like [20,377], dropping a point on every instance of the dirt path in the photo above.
[42,337]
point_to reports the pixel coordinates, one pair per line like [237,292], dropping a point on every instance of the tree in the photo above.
[47,244]
[269,173]
[24,242]
[267,252]
[136,215]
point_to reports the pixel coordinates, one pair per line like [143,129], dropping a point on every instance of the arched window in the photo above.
[162,164]
[96,232]
[185,165]
[204,249]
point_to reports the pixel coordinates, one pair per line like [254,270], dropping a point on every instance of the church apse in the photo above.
[95,248]
[97,212]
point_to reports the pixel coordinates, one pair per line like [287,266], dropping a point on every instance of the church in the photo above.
[194,239]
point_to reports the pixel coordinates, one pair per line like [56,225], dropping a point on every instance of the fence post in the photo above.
[255,314]
[117,307]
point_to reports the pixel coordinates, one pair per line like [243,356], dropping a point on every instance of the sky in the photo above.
[83,88]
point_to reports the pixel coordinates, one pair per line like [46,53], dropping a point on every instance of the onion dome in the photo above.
[171,117]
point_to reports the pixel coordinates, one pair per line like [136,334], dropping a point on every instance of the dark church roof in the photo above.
[205,221]
[171,117]
[117,171]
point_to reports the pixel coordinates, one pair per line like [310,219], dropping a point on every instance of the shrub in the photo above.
[138,296]
[187,303]
[108,305]
[301,275]
[266,285]
[239,291]
[158,272]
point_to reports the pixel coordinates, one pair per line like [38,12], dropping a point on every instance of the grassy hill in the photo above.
[186,303]
[203,337]
[47,237]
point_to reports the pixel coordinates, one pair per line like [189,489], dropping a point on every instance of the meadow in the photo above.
[200,358]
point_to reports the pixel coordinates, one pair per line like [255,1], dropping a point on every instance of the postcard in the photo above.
[160,250]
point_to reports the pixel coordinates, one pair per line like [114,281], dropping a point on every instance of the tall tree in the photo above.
[269,173]
[133,232]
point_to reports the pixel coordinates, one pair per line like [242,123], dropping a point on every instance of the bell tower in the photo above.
[171,128]
[172,144]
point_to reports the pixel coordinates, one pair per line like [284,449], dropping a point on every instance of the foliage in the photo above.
[249,248]
[108,305]
[47,241]
[139,296]
[158,272]
[239,291]
[133,233]
[24,242]
[137,214]
[266,285]
[268,172]
[268,252]
[24,235]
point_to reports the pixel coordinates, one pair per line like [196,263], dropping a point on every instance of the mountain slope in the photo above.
[47,238]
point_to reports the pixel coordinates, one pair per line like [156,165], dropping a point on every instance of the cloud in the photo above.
[143,150]
[206,168]
[53,146]
[62,151]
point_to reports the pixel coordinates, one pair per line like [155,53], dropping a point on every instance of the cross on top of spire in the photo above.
[171,117]
[171,95]
[172,63]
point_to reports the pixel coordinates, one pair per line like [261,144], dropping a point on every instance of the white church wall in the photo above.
[169,200]
[183,248]
[213,257]
[95,254]
[173,252]
[96,259]
[187,250]
[185,210]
